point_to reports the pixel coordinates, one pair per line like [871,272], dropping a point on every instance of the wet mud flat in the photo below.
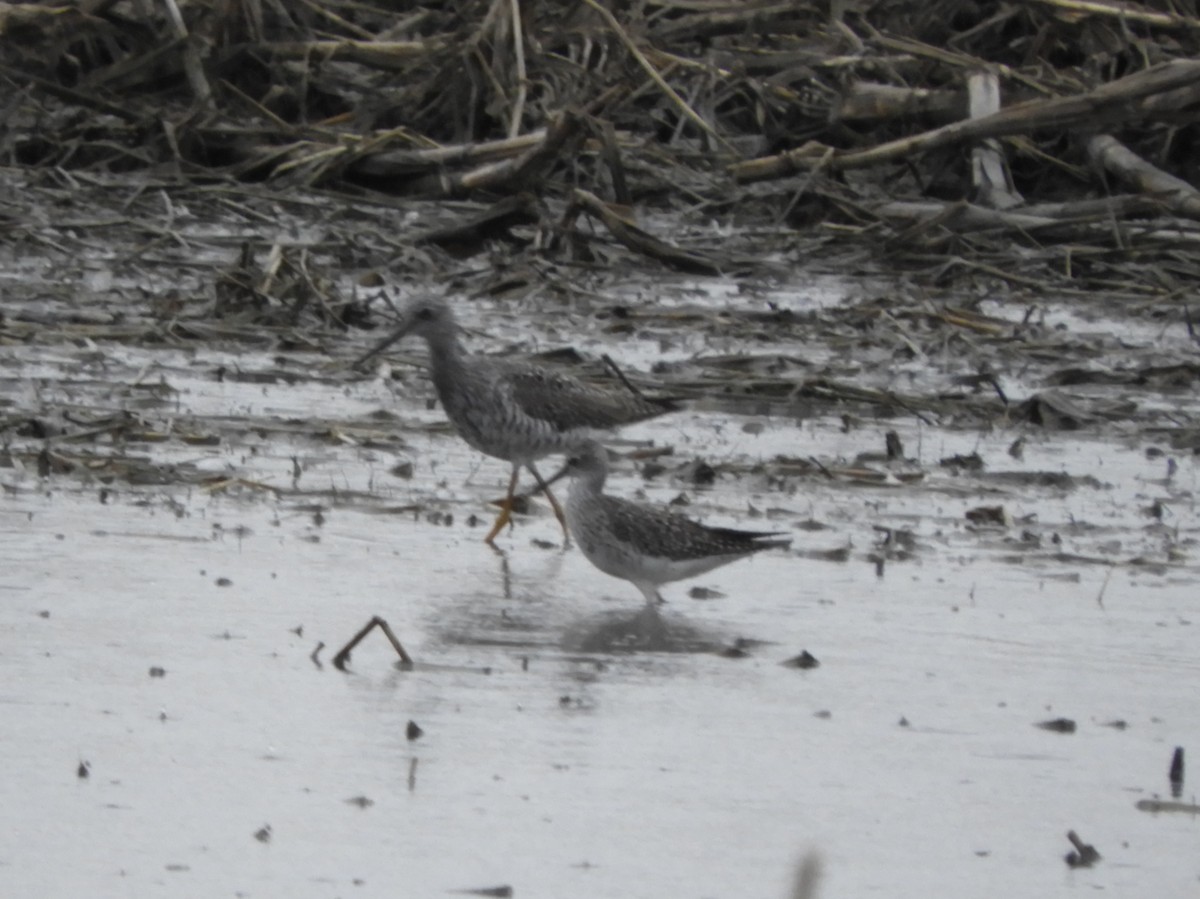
[992,505]
[922,273]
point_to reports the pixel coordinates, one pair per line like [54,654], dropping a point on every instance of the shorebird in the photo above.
[646,546]
[513,411]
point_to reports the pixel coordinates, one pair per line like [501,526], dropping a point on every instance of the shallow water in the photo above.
[909,761]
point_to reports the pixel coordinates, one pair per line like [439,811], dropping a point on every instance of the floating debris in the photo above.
[343,656]
[989,515]
[1084,855]
[804,661]
[1175,774]
[1165,805]
[1058,725]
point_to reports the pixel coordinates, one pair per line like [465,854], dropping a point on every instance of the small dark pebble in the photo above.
[988,515]
[705,593]
[652,469]
[413,730]
[263,834]
[360,801]
[45,613]
[740,648]
[1058,725]
[959,462]
[224,582]
[503,892]
[84,769]
[156,671]
[804,661]
[903,722]
[703,474]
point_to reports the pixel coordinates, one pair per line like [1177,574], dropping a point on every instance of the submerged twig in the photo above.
[343,656]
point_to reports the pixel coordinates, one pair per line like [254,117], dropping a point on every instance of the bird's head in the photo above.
[427,317]
[588,459]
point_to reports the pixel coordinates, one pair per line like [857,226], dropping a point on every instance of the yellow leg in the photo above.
[558,512]
[505,515]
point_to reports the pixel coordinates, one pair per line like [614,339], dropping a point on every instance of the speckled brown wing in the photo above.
[568,405]
[665,535]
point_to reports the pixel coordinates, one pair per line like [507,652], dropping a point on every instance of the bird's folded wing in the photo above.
[567,405]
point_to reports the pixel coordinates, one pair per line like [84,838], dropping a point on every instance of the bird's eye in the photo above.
[425,314]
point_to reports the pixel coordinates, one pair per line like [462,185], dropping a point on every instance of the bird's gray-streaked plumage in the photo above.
[644,545]
[511,410]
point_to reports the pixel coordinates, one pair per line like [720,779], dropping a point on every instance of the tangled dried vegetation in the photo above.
[256,172]
[1046,142]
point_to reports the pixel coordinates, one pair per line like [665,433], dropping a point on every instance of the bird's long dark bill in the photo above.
[558,475]
[382,345]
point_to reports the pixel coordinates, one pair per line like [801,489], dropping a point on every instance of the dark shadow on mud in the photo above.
[648,630]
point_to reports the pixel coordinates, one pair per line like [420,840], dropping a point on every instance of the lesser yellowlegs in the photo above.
[646,546]
[513,411]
